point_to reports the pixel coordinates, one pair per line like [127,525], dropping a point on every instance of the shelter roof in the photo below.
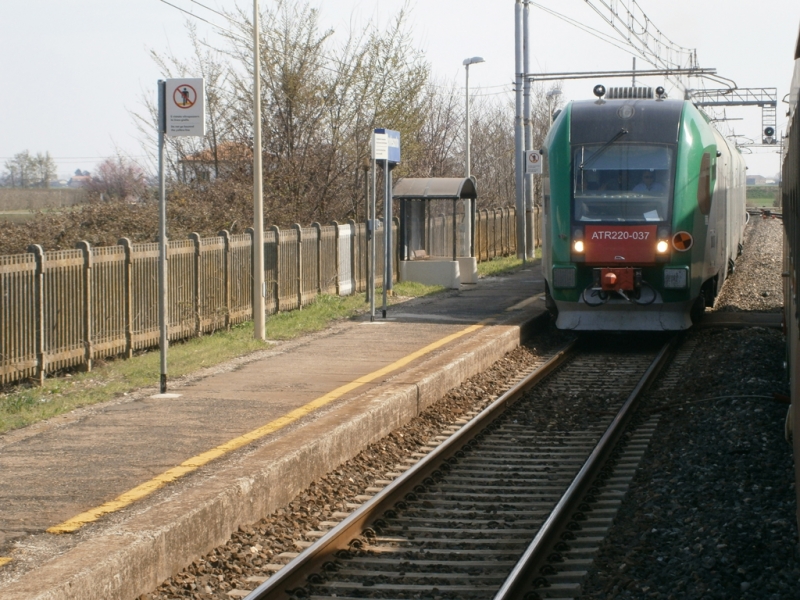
[435,188]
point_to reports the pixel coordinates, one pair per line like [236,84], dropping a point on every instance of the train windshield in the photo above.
[622,182]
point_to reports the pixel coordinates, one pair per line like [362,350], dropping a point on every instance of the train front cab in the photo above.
[635,228]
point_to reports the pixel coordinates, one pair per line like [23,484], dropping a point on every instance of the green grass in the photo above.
[762,195]
[504,265]
[17,216]
[24,404]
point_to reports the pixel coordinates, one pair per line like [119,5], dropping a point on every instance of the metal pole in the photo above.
[163,317]
[518,134]
[633,83]
[259,325]
[365,168]
[390,203]
[387,228]
[373,226]
[466,67]
[528,125]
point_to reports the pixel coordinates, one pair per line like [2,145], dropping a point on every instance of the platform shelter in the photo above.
[437,230]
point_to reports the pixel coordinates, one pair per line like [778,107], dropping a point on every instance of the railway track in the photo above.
[534,465]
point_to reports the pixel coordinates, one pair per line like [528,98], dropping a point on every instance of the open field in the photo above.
[763,195]
[17,216]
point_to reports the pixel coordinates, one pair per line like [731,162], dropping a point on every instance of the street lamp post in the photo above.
[550,95]
[259,321]
[467,63]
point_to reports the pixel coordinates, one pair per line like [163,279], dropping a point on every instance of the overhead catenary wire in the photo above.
[604,37]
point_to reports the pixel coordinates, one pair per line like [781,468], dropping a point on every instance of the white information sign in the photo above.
[185,100]
[533,162]
[380,146]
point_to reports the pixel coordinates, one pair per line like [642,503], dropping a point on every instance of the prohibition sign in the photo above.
[184,96]
[682,241]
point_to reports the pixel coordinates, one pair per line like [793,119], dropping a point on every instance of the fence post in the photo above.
[277,232]
[84,247]
[41,364]
[318,228]
[195,237]
[226,274]
[396,248]
[504,230]
[336,256]
[512,241]
[128,295]
[353,246]
[486,236]
[251,232]
[299,261]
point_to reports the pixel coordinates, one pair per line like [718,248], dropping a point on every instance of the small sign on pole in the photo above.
[533,162]
[380,145]
[185,107]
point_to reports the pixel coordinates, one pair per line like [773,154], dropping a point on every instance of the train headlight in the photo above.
[578,246]
[662,247]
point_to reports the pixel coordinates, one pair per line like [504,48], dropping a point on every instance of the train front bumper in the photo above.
[624,316]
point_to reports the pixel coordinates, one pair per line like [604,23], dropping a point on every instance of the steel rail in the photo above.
[520,582]
[292,576]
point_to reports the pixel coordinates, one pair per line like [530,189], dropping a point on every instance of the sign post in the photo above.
[386,150]
[533,166]
[181,112]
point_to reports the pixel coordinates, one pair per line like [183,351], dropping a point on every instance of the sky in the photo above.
[76,71]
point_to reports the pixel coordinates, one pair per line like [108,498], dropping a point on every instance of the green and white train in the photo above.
[643,212]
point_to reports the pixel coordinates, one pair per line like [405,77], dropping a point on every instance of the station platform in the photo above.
[110,500]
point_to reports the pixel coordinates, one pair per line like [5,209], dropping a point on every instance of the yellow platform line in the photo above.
[524,303]
[4,560]
[198,461]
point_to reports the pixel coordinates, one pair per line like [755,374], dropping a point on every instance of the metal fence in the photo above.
[67,308]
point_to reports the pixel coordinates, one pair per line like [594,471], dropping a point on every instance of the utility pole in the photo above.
[530,239]
[259,325]
[519,153]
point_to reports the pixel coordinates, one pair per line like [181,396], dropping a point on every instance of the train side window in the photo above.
[704,185]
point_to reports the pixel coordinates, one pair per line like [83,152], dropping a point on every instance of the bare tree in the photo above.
[20,169]
[118,179]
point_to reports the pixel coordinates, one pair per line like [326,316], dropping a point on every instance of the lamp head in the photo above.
[473,60]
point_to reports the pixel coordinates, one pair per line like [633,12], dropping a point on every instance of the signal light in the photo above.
[662,247]
[769,131]
[578,246]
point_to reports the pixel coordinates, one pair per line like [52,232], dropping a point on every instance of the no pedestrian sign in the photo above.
[185,99]
[533,162]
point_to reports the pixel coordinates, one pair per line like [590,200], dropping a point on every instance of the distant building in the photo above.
[206,165]
[79,181]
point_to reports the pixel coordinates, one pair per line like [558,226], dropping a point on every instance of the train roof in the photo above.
[644,120]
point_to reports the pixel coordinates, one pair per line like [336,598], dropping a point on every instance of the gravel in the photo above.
[711,512]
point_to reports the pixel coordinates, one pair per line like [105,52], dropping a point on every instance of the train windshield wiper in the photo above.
[605,147]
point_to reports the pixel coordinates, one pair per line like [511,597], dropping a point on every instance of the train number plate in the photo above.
[608,244]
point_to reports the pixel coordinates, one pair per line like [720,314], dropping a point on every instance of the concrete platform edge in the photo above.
[154,540]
